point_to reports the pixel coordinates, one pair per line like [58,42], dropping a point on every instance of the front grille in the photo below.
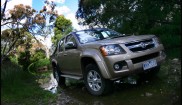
[140,45]
[145,57]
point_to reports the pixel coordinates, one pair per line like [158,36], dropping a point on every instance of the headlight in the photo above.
[156,41]
[113,49]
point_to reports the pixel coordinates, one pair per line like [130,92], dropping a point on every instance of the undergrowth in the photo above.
[19,87]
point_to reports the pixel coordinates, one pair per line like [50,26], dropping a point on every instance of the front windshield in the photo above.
[95,35]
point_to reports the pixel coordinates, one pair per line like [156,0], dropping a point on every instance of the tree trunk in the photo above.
[2,14]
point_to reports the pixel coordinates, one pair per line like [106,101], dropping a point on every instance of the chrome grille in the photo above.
[140,45]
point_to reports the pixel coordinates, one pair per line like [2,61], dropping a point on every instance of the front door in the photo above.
[72,57]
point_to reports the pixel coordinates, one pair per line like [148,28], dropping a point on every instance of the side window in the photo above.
[70,38]
[61,45]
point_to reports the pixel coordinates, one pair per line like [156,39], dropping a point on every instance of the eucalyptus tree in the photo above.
[32,21]
[10,40]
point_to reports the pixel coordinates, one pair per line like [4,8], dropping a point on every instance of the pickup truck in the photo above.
[101,56]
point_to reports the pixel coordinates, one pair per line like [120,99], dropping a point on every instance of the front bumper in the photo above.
[133,62]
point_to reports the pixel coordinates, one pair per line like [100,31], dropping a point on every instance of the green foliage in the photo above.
[13,59]
[62,27]
[162,18]
[128,16]
[39,54]
[35,65]
[38,60]
[24,59]
[62,23]
[31,61]
[11,40]
[42,62]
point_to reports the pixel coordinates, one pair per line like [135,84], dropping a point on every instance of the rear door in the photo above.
[60,54]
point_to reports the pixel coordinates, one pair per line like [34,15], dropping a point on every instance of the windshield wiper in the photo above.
[118,36]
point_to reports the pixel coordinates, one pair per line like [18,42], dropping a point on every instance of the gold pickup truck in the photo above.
[100,56]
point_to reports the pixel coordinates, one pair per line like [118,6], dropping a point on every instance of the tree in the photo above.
[32,21]
[10,40]
[3,9]
[35,22]
[132,16]
[62,27]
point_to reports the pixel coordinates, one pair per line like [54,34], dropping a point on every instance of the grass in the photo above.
[19,87]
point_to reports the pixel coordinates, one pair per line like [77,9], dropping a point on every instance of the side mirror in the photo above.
[70,45]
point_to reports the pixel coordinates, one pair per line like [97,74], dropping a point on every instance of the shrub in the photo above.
[35,65]
[24,59]
[13,59]
[39,54]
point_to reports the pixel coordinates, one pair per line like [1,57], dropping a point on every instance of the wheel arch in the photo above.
[54,63]
[87,60]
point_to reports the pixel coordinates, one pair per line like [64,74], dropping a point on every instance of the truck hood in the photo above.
[118,40]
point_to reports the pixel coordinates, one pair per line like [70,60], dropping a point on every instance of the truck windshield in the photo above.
[87,36]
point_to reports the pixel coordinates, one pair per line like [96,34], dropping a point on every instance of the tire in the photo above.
[95,83]
[57,76]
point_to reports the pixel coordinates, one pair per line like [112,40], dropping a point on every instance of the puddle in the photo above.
[49,83]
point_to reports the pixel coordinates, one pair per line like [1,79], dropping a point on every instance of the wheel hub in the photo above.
[94,80]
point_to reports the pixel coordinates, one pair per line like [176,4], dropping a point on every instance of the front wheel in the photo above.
[59,79]
[94,81]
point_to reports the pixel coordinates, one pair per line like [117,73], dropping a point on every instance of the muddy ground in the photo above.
[162,89]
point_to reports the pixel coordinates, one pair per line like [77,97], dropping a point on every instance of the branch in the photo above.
[29,31]
[7,23]
[4,48]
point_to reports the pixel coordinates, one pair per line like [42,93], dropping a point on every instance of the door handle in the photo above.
[65,54]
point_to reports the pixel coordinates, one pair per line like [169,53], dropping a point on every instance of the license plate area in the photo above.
[149,64]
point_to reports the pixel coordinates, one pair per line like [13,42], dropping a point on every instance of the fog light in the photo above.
[117,66]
